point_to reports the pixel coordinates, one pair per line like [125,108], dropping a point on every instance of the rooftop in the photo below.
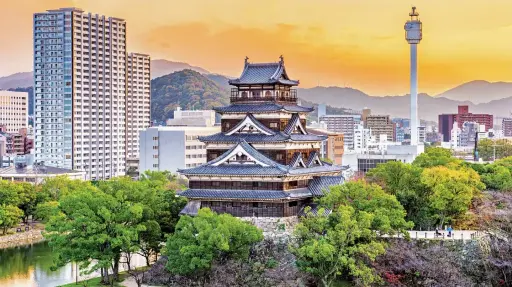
[264,73]
[35,170]
[262,107]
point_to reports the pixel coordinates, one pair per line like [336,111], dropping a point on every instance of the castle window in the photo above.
[268,94]
[273,125]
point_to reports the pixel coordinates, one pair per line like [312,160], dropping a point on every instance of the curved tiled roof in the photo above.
[319,184]
[261,108]
[264,73]
[259,138]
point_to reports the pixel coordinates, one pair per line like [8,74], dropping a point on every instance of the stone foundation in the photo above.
[274,226]
[21,238]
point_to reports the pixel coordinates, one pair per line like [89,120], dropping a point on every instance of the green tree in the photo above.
[489,149]
[92,229]
[452,191]
[54,188]
[343,243]
[10,216]
[404,181]
[436,156]
[200,240]
[28,199]
[9,193]
[46,210]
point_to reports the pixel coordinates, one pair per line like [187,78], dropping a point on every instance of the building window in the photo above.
[273,125]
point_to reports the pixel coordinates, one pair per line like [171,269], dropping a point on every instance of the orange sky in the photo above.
[358,43]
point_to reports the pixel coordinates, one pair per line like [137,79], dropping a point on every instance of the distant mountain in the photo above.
[18,80]
[164,67]
[398,106]
[220,80]
[479,92]
[186,89]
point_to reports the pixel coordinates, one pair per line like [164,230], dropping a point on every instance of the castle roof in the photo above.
[261,108]
[264,73]
[243,159]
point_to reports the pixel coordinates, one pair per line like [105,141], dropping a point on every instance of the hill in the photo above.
[18,80]
[220,80]
[186,89]
[479,92]
[163,67]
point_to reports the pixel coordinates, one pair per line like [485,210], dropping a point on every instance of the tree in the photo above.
[10,216]
[389,214]
[9,193]
[436,156]
[452,191]
[200,240]
[28,199]
[54,188]
[92,229]
[403,181]
[344,242]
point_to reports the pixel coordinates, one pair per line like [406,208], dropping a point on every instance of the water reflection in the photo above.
[29,266]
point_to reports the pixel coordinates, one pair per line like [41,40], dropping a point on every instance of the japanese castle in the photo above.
[263,163]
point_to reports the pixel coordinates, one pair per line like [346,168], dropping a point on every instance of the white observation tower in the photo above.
[413,37]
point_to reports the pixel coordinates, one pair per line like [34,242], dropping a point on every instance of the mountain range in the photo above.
[481,96]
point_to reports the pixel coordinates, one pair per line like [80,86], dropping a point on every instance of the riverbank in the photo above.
[32,236]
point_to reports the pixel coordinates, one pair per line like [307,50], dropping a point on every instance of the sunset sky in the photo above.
[356,43]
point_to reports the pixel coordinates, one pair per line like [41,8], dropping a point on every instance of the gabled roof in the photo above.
[259,138]
[314,160]
[295,125]
[243,148]
[264,73]
[191,208]
[297,161]
[262,108]
[250,125]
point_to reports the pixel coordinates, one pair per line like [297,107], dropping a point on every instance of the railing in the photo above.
[290,97]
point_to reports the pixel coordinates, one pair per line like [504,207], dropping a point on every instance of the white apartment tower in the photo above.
[80,80]
[138,103]
[14,110]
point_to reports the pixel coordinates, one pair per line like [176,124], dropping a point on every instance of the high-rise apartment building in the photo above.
[13,110]
[381,125]
[81,88]
[138,102]
[342,124]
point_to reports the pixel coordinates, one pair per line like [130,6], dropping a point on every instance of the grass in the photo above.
[96,282]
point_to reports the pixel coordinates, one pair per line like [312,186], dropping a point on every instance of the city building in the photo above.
[468,134]
[422,134]
[332,147]
[362,162]
[506,127]
[199,118]
[400,134]
[381,125]
[433,137]
[361,137]
[24,171]
[173,148]
[322,111]
[14,143]
[13,110]
[138,104]
[82,92]
[342,124]
[463,115]
[264,165]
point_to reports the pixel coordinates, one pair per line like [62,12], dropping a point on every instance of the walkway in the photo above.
[456,235]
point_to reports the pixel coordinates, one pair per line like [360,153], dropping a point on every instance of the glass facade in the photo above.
[53,88]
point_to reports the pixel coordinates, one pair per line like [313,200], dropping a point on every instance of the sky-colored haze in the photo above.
[357,43]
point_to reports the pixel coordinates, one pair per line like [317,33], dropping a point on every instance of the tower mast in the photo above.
[413,36]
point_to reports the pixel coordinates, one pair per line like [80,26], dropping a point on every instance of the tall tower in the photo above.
[413,37]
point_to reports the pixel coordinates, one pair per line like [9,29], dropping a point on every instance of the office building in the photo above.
[506,127]
[332,147]
[381,125]
[361,137]
[82,91]
[364,161]
[138,103]
[463,115]
[342,124]
[198,118]
[173,148]
[13,110]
